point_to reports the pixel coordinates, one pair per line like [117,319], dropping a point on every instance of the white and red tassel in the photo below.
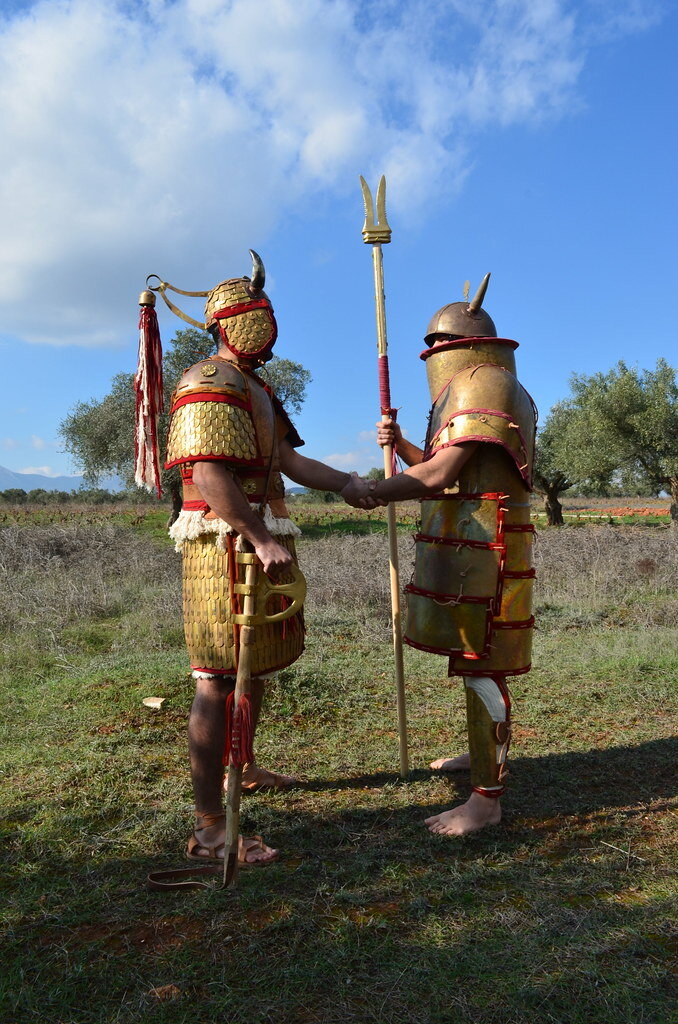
[149,398]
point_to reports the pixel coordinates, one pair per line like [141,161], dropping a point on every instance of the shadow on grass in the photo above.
[375,921]
[564,783]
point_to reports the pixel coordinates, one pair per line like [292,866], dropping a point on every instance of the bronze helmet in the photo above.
[463,319]
[239,313]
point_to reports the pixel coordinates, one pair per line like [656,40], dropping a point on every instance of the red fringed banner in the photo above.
[239,745]
[149,403]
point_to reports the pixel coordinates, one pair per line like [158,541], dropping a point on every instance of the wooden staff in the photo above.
[256,591]
[243,685]
[375,234]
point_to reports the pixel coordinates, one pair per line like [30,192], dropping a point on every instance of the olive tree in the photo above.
[99,433]
[627,419]
[551,475]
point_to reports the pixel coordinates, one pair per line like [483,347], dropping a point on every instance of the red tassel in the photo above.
[229,728]
[239,745]
[149,402]
[244,729]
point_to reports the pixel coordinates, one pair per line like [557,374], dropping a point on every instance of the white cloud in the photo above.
[42,470]
[136,136]
[342,460]
[38,442]
[359,460]
[9,443]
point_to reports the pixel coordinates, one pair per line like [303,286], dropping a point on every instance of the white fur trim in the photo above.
[230,676]
[190,525]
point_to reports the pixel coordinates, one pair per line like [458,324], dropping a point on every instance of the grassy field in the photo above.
[561,914]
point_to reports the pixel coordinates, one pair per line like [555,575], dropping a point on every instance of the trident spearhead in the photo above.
[380,232]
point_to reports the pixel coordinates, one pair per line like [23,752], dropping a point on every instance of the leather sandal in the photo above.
[215,854]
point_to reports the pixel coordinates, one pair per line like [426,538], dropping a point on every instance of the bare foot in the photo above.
[462,763]
[254,778]
[208,844]
[476,813]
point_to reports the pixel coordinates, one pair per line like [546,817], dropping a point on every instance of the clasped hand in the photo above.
[357,492]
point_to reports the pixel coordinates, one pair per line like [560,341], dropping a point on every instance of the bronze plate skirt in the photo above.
[210,635]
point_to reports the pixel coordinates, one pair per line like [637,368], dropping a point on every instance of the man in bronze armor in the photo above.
[231,439]
[470,597]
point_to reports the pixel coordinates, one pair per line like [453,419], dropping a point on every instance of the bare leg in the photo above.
[206,736]
[254,777]
[461,763]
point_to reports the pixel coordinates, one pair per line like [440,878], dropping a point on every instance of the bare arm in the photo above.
[389,432]
[224,495]
[308,472]
[425,478]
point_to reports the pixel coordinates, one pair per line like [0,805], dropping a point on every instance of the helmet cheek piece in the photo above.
[220,324]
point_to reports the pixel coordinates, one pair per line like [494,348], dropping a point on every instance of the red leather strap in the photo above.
[241,307]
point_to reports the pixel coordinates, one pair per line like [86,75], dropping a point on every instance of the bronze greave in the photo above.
[488,711]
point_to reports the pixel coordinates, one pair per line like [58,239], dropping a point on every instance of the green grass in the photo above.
[561,914]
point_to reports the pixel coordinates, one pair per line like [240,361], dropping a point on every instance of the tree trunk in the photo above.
[554,510]
[674,501]
[175,490]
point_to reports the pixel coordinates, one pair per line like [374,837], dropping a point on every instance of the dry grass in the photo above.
[53,575]
[618,574]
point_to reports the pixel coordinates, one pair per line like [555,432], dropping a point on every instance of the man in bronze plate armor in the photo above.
[231,439]
[470,597]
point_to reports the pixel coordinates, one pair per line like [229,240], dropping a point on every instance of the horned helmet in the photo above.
[463,334]
[460,320]
[238,312]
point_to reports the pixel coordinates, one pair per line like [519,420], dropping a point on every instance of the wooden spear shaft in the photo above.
[242,686]
[375,234]
[396,614]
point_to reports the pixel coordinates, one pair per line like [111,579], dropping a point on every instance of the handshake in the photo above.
[359,492]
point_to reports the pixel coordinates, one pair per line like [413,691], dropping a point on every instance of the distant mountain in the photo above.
[31,481]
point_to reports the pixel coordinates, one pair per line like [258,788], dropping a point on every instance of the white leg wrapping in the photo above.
[231,676]
[489,693]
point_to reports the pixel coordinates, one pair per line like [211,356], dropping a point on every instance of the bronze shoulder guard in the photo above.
[211,416]
[485,403]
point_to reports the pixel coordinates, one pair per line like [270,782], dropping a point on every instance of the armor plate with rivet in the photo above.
[470,594]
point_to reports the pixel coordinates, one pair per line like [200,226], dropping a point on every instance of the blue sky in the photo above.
[532,138]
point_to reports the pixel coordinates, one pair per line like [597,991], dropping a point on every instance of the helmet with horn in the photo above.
[238,312]
[463,319]
[462,334]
